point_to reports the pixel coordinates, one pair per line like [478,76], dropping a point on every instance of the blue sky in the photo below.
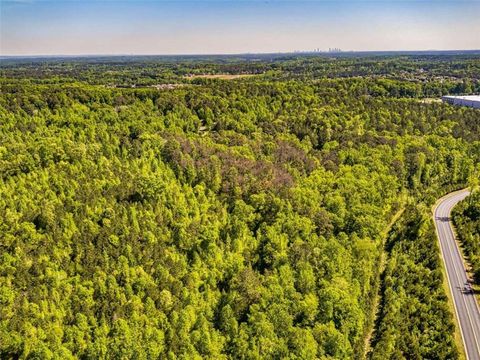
[33,27]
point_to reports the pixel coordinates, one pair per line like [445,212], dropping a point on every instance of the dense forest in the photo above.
[223,219]
[466,216]
[412,290]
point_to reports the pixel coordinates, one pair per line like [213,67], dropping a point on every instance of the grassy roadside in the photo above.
[446,286]
[468,265]
[413,308]
[466,258]
[458,335]
[375,308]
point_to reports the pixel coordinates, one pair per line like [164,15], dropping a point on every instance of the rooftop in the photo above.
[468,97]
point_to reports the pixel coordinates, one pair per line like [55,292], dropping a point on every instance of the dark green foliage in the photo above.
[415,321]
[466,216]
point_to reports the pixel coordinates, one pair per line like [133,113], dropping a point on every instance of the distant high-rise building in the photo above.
[334,50]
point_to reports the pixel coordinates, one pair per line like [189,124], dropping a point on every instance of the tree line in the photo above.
[221,219]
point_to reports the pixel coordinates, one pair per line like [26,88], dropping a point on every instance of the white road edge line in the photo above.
[456,250]
[455,238]
[455,269]
[435,208]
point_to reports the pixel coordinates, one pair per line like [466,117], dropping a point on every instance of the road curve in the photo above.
[466,307]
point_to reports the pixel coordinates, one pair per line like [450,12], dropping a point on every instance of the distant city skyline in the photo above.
[43,27]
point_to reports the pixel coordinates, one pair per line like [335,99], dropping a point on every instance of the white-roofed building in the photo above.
[470,100]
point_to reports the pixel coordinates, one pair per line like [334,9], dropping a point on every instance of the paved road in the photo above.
[466,307]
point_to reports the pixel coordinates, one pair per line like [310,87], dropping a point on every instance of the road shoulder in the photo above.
[446,284]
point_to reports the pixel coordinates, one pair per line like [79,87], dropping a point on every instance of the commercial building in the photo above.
[470,101]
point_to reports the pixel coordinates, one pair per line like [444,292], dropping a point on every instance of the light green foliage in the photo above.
[219,219]
[415,321]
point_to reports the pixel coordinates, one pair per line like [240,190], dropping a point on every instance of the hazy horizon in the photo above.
[73,28]
[306,52]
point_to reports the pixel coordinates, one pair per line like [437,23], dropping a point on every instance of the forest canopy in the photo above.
[219,219]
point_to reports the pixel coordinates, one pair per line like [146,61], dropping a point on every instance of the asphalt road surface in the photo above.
[466,307]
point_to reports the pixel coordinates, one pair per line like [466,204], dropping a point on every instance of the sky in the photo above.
[89,27]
